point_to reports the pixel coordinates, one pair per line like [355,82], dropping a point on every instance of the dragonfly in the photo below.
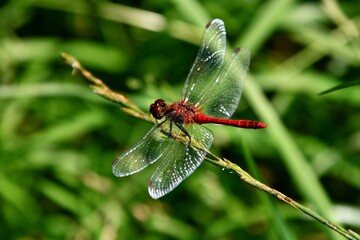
[211,94]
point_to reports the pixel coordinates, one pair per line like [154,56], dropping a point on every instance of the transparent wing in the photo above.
[179,161]
[145,152]
[207,63]
[222,98]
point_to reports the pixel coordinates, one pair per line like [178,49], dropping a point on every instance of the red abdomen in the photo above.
[201,119]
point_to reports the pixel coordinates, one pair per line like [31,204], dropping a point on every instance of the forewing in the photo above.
[179,161]
[207,63]
[222,98]
[145,152]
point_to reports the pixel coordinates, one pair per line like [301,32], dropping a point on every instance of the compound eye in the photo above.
[157,109]
[160,103]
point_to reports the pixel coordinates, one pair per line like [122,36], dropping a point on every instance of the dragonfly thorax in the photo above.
[179,112]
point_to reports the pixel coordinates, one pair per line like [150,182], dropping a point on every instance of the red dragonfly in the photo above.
[211,94]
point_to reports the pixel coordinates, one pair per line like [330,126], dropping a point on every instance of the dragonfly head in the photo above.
[157,109]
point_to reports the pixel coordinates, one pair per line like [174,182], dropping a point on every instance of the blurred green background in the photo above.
[58,139]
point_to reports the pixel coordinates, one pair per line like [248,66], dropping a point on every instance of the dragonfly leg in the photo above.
[184,131]
[164,132]
[169,133]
